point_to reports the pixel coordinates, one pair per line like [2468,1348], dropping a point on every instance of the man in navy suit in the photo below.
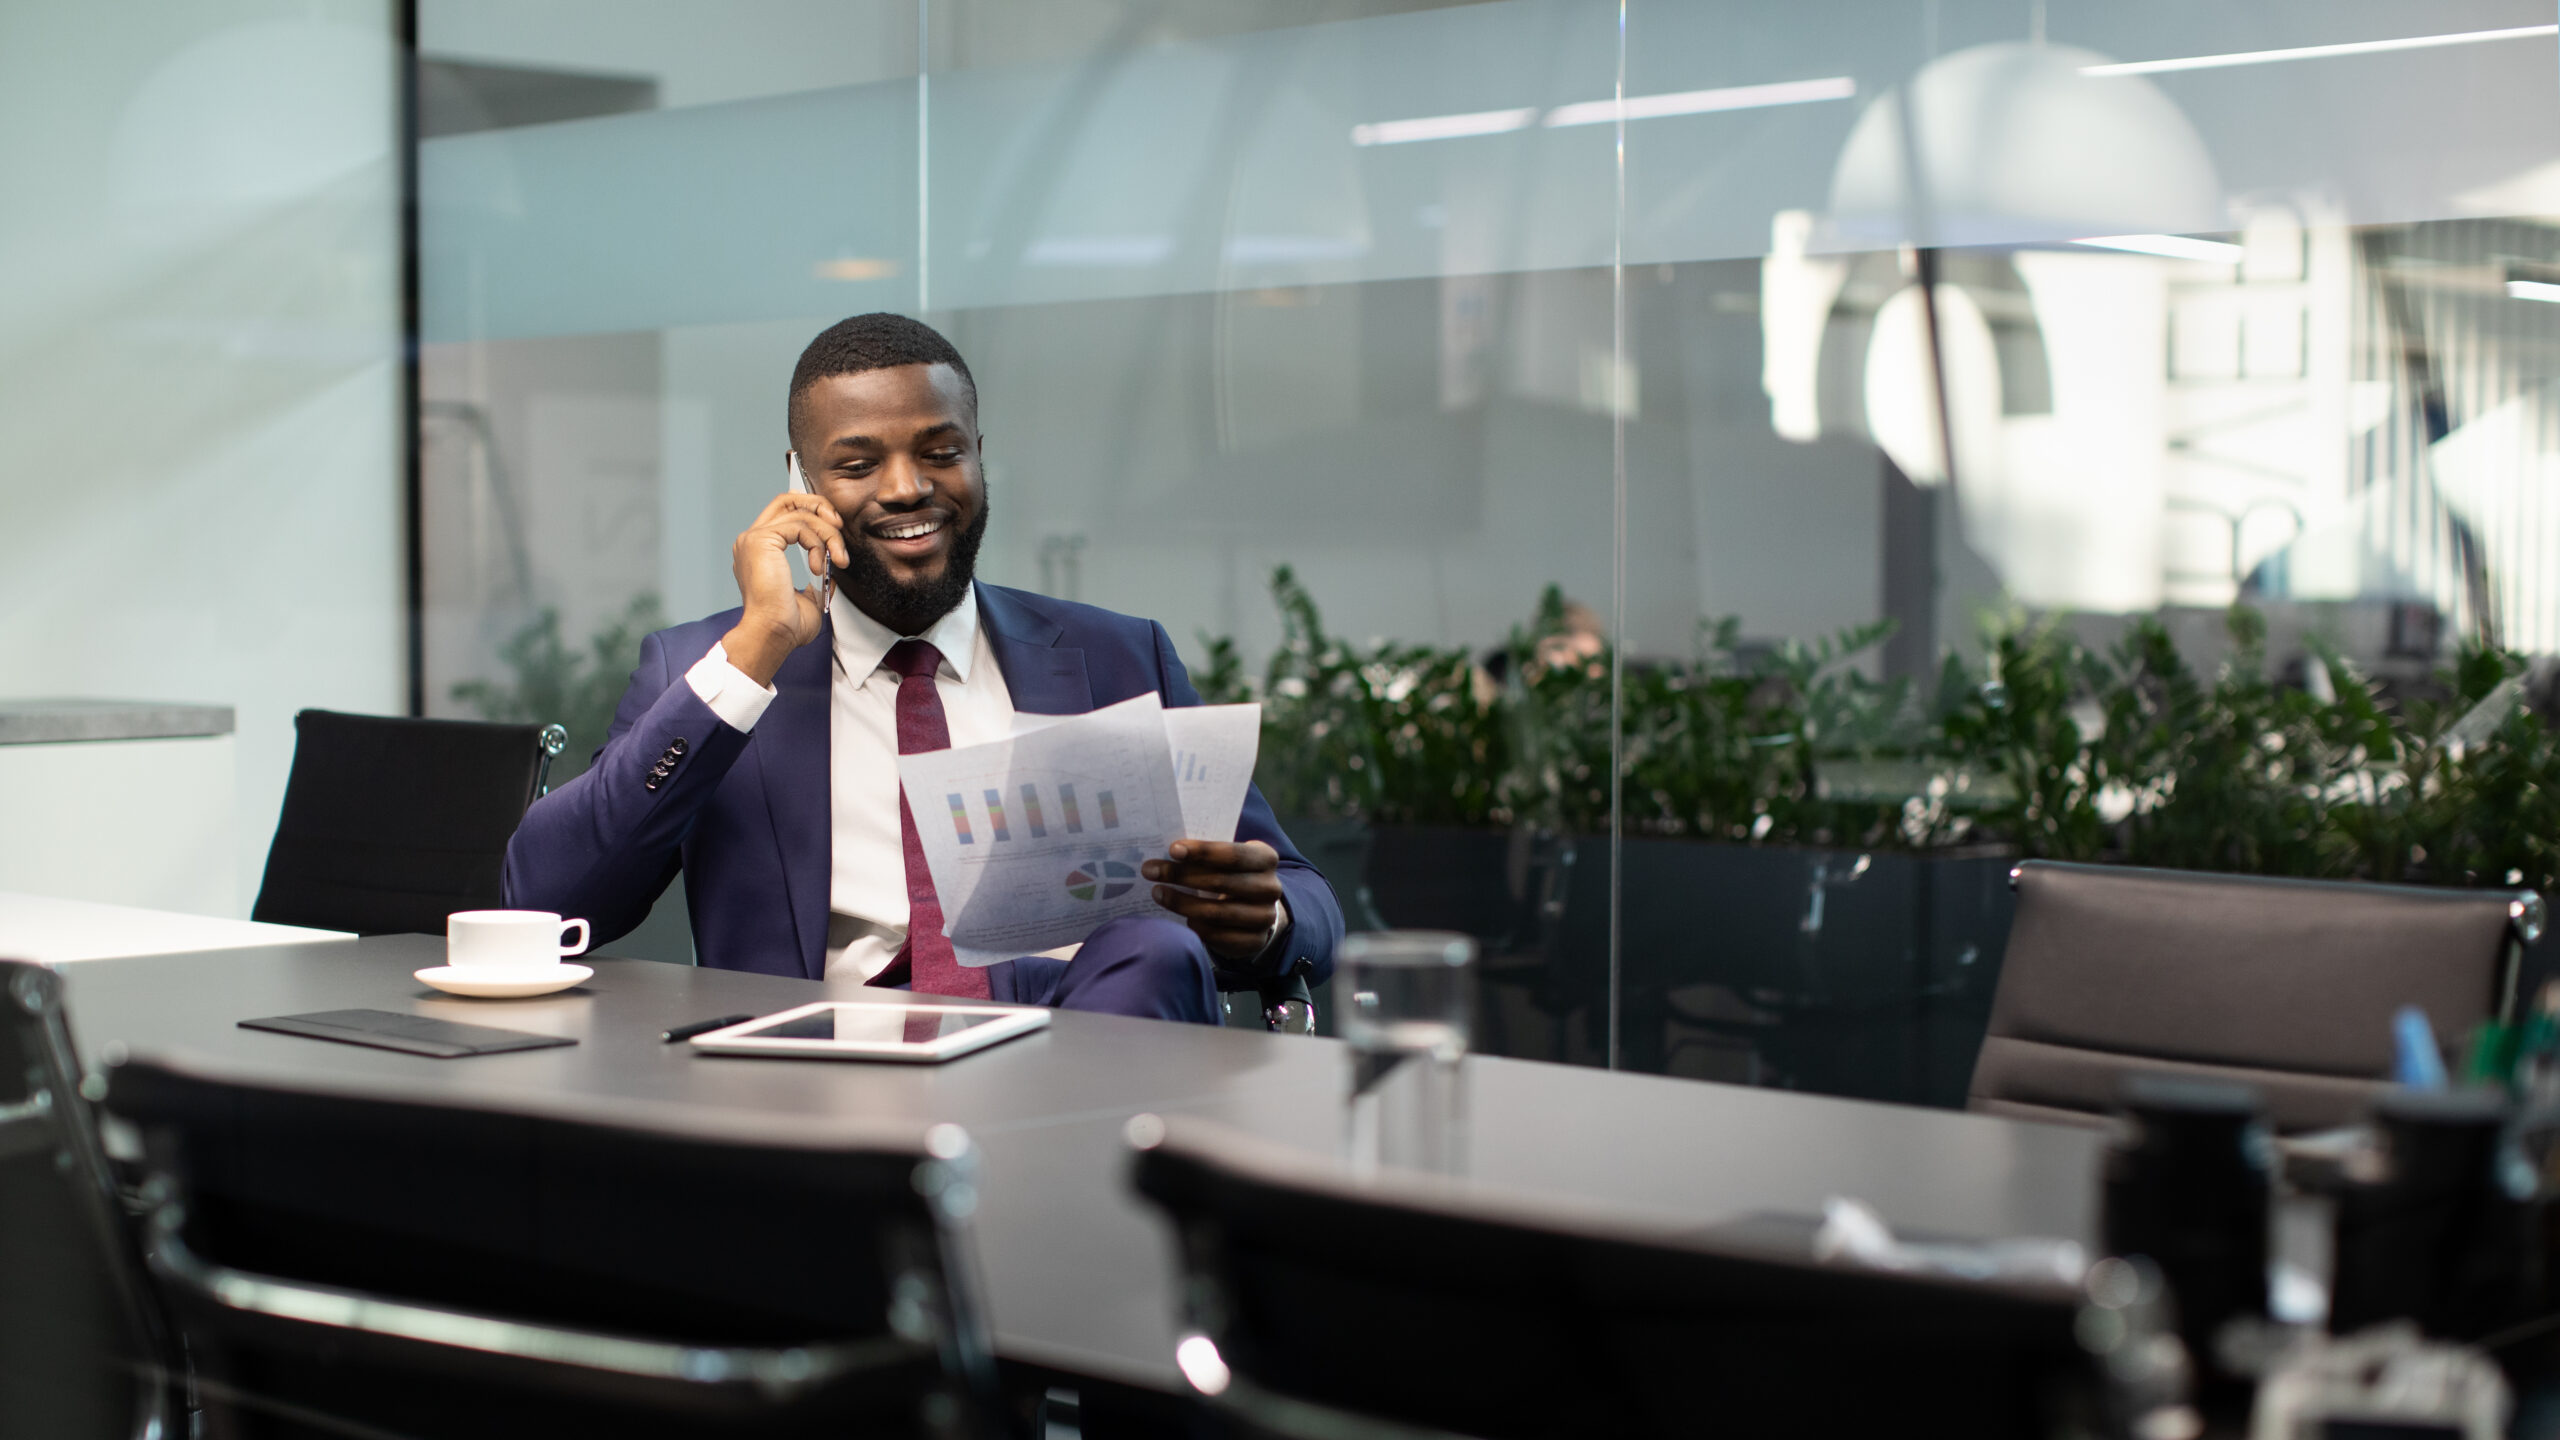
[756,750]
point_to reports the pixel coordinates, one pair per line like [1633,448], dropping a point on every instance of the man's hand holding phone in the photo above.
[780,617]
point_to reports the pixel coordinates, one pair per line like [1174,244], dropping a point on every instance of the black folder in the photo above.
[416,1034]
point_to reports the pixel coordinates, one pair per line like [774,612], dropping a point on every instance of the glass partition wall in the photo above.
[1698,488]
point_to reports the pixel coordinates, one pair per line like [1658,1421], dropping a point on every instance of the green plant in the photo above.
[2128,755]
[2235,772]
[1726,745]
[2474,798]
[1382,731]
[2238,774]
[553,684]
[2019,724]
[1553,716]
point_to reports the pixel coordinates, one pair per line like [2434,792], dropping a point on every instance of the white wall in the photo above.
[57,844]
[199,437]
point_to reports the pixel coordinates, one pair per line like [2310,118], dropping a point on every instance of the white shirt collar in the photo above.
[862,642]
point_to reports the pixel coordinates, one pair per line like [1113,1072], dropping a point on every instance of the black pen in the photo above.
[702,1027]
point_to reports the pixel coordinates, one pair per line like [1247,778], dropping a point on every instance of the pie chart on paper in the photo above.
[1099,878]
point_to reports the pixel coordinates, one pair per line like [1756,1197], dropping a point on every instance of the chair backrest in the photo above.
[533,1265]
[391,824]
[83,1345]
[1421,1309]
[2285,985]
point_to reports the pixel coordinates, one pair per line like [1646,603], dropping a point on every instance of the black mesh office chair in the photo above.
[391,824]
[1433,1311]
[536,1266]
[84,1348]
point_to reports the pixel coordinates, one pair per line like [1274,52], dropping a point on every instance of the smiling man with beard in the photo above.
[756,750]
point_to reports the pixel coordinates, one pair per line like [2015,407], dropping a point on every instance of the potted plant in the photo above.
[1763,902]
[1813,861]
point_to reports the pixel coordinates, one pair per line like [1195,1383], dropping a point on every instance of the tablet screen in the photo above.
[874,1022]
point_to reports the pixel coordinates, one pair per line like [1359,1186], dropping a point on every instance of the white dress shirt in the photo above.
[867,883]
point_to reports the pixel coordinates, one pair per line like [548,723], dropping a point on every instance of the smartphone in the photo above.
[819,575]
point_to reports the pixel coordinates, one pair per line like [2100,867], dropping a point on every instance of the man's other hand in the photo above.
[779,618]
[1245,879]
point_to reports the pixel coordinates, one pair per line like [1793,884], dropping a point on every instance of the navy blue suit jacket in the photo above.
[744,815]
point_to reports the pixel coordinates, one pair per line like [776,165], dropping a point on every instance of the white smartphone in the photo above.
[850,1030]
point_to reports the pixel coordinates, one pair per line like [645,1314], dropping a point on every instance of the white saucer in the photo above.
[503,984]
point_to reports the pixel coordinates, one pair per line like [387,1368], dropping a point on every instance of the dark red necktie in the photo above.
[921,727]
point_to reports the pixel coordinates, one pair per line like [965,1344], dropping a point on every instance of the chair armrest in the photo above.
[778,1374]
[1288,1004]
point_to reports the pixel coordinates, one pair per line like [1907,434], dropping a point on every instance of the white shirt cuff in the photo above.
[732,695]
[1279,929]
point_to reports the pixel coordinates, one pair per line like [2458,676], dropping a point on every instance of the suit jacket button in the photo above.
[676,746]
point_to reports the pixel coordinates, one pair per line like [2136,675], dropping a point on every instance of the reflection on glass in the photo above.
[1978,359]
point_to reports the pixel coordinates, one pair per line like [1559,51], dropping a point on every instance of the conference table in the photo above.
[1078,1271]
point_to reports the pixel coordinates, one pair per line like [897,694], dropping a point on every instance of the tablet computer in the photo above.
[873,1030]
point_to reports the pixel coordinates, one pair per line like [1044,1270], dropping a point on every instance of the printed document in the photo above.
[1034,841]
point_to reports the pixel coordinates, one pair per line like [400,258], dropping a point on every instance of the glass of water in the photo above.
[1408,1017]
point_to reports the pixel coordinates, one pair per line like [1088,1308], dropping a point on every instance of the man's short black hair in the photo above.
[880,340]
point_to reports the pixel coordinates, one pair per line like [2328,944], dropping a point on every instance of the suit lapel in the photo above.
[1042,678]
[791,746]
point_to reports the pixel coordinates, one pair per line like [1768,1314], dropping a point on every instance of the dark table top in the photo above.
[1078,1270]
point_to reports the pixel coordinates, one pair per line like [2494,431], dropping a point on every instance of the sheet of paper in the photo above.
[1035,840]
[1214,747]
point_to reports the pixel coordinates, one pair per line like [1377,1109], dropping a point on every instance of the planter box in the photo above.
[1865,974]
[1763,964]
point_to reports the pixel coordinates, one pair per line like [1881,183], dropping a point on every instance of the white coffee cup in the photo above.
[509,939]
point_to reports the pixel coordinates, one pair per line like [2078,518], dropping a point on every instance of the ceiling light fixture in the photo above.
[856,269]
[1704,102]
[2176,247]
[2319,52]
[1602,112]
[1443,127]
[2533,290]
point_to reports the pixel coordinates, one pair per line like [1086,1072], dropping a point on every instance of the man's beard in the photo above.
[912,609]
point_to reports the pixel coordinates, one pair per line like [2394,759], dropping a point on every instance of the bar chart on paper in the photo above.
[1048,830]
[1039,811]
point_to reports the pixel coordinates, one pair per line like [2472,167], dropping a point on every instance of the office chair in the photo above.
[534,1265]
[1508,891]
[1286,1004]
[2285,985]
[1282,1004]
[1535,942]
[1836,973]
[391,824]
[84,1348]
[1430,1311]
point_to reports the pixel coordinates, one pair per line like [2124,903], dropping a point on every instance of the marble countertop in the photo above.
[34,722]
